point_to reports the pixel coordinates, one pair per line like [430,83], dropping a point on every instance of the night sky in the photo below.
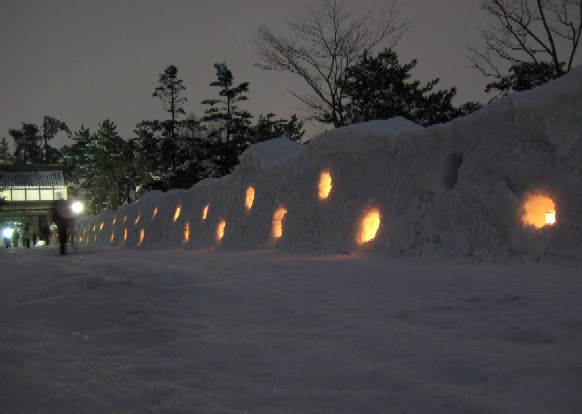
[86,61]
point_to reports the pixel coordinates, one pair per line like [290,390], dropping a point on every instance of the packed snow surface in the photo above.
[459,189]
[111,330]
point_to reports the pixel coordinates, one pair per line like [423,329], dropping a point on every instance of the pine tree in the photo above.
[522,77]
[75,157]
[105,167]
[27,149]
[5,156]
[231,122]
[170,93]
[50,128]
[380,88]
[268,128]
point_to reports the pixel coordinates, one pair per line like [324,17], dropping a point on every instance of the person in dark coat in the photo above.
[27,235]
[15,238]
[62,216]
[45,233]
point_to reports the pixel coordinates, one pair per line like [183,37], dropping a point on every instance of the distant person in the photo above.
[27,235]
[45,233]
[15,238]
[54,231]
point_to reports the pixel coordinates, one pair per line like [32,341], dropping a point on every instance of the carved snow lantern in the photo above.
[324,187]
[277,229]
[249,198]
[539,211]
[137,218]
[141,237]
[205,211]
[220,229]
[177,213]
[368,226]
[186,233]
[155,213]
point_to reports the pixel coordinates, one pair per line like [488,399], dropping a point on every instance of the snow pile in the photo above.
[451,190]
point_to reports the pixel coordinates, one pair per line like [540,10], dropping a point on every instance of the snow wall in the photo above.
[450,190]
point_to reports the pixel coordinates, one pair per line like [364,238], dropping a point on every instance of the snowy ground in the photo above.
[174,331]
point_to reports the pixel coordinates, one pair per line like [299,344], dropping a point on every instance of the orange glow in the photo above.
[112,237]
[325,186]
[155,213]
[81,238]
[277,229]
[101,226]
[124,219]
[141,237]
[250,198]
[186,233]
[369,225]
[205,211]
[124,234]
[220,230]
[114,220]
[137,218]
[94,227]
[177,213]
[539,211]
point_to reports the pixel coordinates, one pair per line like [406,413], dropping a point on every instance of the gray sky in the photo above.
[86,61]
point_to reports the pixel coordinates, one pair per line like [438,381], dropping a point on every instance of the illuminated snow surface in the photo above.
[112,330]
[193,302]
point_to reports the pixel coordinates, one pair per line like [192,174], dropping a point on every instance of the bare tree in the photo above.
[534,32]
[325,40]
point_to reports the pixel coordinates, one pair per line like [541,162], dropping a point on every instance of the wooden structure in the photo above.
[27,194]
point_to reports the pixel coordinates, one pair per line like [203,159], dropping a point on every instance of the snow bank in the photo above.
[450,190]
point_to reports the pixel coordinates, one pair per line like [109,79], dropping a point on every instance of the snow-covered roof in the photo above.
[31,178]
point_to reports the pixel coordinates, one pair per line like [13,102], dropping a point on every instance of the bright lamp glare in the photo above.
[7,232]
[77,207]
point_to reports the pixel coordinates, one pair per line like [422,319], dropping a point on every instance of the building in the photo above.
[27,193]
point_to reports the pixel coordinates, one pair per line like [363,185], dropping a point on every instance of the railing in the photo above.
[25,205]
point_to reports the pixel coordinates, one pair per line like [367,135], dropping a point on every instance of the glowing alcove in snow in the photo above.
[278,222]
[177,213]
[154,213]
[368,226]
[220,229]
[141,237]
[538,211]
[324,187]
[205,211]
[249,198]
[186,233]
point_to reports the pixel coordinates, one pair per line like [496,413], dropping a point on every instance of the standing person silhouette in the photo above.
[62,216]
[27,235]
